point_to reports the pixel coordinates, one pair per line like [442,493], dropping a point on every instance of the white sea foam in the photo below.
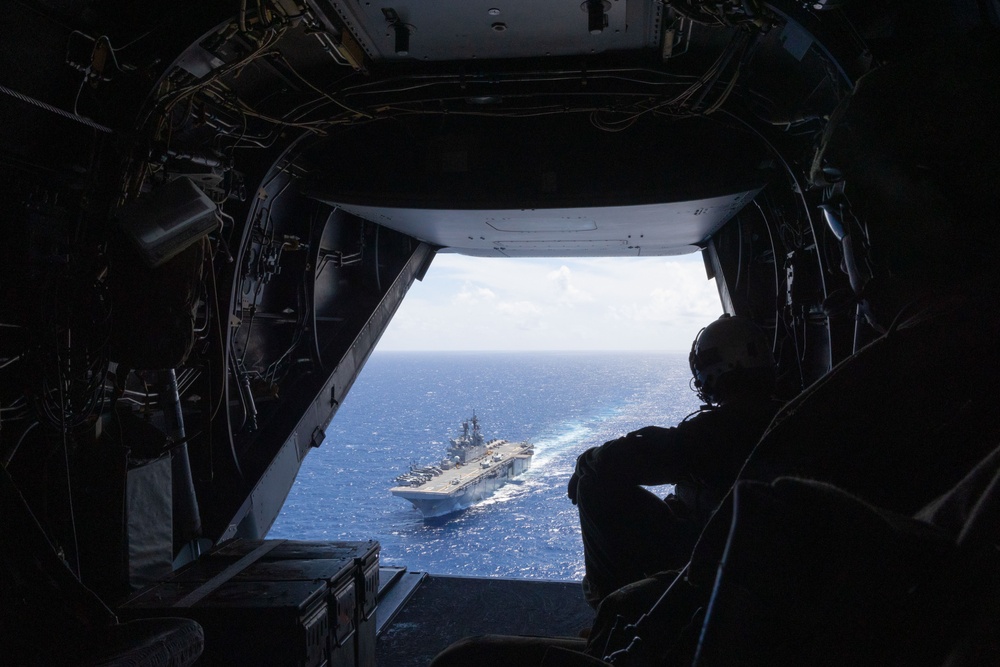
[566,438]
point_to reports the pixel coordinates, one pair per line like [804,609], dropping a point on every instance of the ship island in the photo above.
[471,471]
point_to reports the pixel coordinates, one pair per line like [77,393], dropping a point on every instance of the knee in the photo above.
[599,493]
[589,488]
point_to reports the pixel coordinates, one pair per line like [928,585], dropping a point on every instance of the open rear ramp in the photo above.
[435,611]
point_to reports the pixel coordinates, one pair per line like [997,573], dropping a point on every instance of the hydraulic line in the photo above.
[187,521]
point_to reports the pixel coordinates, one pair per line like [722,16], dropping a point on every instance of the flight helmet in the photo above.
[731,357]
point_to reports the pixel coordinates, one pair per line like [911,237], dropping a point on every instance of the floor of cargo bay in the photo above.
[419,614]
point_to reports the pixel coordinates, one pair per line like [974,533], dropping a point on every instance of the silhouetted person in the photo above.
[628,532]
[862,529]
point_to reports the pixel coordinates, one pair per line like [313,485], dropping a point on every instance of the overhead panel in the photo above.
[495,29]
[541,222]
[609,231]
[556,184]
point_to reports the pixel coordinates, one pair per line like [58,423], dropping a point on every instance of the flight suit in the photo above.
[628,532]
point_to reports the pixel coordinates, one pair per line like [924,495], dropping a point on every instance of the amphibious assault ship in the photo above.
[472,470]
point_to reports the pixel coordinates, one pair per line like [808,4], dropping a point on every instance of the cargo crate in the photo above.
[247,622]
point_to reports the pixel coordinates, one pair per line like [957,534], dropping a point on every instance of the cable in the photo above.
[417,82]
[243,108]
[56,110]
[169,100]
[748,50]
[217,316]
[321,92]
[774,262]
[13,450]
[19,403]
[330,47]
[111,48]
[799,190]
[69,485]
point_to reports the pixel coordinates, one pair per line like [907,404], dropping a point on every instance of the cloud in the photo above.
[567,292]
[680,292]
[471,303]
[473,296]
[490,312]
[519,308]
[524,315]
[666,306]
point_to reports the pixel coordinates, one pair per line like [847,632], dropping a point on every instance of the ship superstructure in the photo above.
[471,471]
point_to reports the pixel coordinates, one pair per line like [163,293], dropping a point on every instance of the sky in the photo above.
[634,303]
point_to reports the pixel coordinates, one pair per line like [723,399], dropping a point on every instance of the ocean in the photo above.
[405,406]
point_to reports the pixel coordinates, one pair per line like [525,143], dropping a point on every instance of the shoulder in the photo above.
[649,433]
[738,414]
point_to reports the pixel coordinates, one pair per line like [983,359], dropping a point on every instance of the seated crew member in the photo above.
[890,428]
[628,532]
[897,424]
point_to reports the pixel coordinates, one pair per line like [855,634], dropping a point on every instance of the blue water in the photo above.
[404,407]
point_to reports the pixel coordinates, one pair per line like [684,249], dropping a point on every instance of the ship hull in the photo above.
[468,492]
